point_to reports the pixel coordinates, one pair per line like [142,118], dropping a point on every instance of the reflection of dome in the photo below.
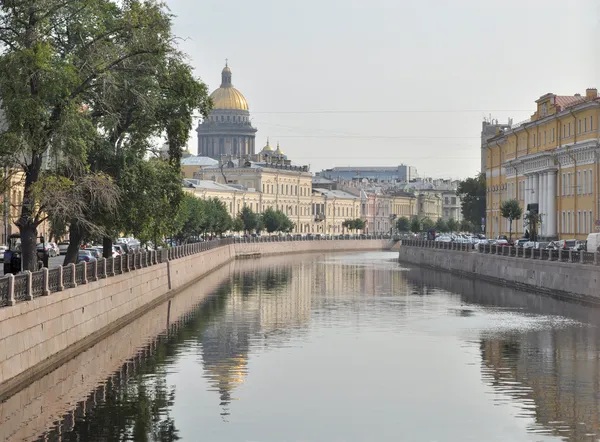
[228,97]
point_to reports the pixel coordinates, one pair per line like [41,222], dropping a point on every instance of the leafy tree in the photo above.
[511,210]
[415,225]
[354,224]
[452,225]
[533,220]
[441,226]
[472,193]
[190,219]
[466,226]
[238,224]
[359,224]
[403,224]
[248,218]
[427,223]
[276,221]
[217,216]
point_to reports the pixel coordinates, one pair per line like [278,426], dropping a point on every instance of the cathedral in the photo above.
[227,131]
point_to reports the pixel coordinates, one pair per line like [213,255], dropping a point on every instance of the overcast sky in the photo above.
[385,82]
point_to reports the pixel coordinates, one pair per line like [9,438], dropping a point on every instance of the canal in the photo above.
[340,347]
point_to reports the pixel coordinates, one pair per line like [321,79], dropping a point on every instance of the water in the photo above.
[350,347]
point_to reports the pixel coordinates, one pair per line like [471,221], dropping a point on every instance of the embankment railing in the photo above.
[27,285]
[560,255]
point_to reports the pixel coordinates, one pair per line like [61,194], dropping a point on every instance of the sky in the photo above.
[388,82]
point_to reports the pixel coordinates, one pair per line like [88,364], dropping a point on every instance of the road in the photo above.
[52,262]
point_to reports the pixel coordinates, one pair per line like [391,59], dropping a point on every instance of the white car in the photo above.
[2,250]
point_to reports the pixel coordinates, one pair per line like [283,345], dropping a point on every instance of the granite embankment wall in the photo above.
[38,335]
[560,279]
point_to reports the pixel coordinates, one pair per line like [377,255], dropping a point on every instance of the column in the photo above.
[543,187]
[535,188]
[551,206]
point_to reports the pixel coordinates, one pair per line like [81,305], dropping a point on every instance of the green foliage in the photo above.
[466,226]
[191,218]
[276,221]
[403,224]
[441,226]
[472,193]
[238,224]
[427,223]
[151,194]
[354,224]
[452,225]
[249,219]
[415,225]
[219,220]
[511,210]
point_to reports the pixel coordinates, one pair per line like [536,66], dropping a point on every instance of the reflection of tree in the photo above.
[269,279]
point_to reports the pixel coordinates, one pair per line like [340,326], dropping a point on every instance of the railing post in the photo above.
[581,257]
[559,257]
[29,290]
[45,282]
[84,279]
[550,254]
[61,285]
[570,255]
[73,275]
[111,271]
[596,258]
[10,296]
[95,266]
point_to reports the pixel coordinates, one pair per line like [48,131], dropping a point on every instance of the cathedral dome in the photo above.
[227,97]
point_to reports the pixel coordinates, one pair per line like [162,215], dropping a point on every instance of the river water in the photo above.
[340,347]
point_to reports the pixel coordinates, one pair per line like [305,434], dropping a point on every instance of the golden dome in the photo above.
[228,97]
[268,147]
[279,151]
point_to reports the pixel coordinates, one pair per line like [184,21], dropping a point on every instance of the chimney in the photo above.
[591,93]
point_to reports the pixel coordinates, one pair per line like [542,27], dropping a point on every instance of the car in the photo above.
[568,244]
[2,250]
[85,255]
[47,248]
[119,249]
[96,253]
[521,242]
[62,247]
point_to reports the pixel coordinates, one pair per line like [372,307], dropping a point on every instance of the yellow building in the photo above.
[550,160]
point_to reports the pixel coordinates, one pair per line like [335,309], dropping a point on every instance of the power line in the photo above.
[377,137]
[399,111]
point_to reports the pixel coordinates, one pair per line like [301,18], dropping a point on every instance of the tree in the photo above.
[276,221]
[238,224]
[472,192]
[217,217]
[452,225]
[441,226]
[511,210]
[466,226]
[191,218]
[533,220]
[427,223]
[64,67]
[248,218]
[415,225]
[403,224]
[359,224]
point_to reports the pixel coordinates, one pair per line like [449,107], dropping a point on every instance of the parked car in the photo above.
[47,248]
[85,255]
[62,247]
[119,249]
[96,253]
[593,242]
[568,244]
[2,250]
[521,242]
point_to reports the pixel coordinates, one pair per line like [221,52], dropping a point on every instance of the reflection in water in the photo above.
[353,347]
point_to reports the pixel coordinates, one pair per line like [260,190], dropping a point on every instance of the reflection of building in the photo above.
[227,130]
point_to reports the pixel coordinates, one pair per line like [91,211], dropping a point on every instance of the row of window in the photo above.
[580,222]
[229,119]
[285,189]
[584,185]
[584,125]
[304,210]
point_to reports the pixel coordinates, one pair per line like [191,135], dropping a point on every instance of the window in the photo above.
[568,184]
[553,134]
[569,133]
[544,137]
[579,126]
[563,225]
[585,223]
[533,140]
[564,134]
[591,126]
[578,227]
[585,124]
[578,184]
[584,185]
[591,226]
[591,182]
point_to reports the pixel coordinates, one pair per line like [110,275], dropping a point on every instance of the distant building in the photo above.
[489,129]
[191,165]
[401,173]
[227,131]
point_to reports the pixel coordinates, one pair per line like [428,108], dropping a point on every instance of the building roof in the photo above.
[335,193]
[209,185]
[227,97]
[321,180]
[565,101]
[198,161]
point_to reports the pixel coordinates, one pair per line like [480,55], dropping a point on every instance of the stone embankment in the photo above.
[49,327]
[568,275]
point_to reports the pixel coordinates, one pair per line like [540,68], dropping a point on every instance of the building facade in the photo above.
[550,163]
[227,131]
[401,173]
[451,206]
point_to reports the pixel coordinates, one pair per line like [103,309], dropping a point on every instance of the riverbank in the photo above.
[40,334]
[566,280]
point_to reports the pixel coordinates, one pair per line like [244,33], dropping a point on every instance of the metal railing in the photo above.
[28,285]
[560,255]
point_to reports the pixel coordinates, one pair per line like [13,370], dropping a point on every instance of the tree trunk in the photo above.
[75,236]
[27,222]
[107,246]
[510,231]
